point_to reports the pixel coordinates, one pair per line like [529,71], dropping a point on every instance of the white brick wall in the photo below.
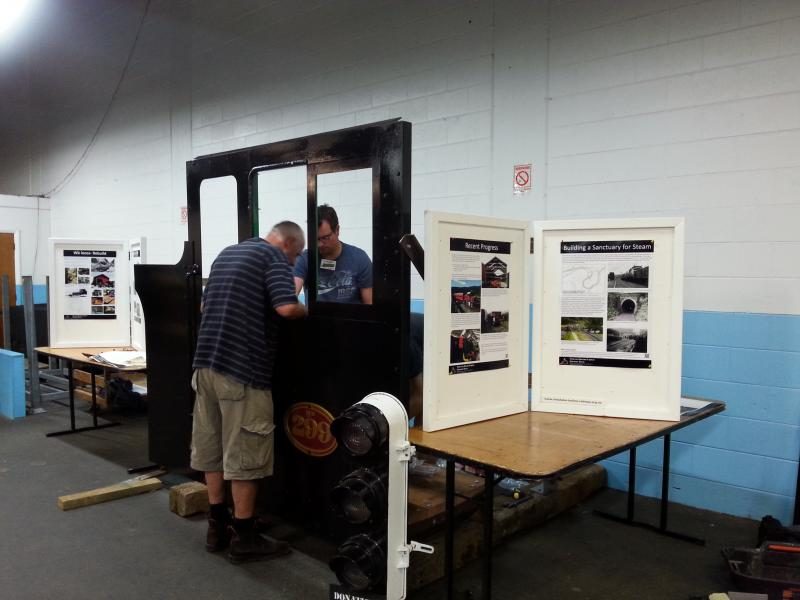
[625,108]
[690,109]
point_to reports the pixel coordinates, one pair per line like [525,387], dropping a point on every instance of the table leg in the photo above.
[71,387]
[488,532]
[664,502]
[72,428]
[94,399]
[450,525]
[631,483]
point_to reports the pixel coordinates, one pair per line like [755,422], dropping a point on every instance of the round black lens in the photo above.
[357,436]
[360,563]
[354,577]
[361,496]
[362,429]
[355,509]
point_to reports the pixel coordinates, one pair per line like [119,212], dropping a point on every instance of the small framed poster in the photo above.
[89,293]
[608,305]
[476,319]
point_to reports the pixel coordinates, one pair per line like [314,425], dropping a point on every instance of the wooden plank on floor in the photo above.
[127,488]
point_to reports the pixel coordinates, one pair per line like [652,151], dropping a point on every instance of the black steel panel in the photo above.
[18,331]
[169,294]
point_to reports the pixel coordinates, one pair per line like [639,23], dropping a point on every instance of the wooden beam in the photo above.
[131,487]
[86,377]
[86,394]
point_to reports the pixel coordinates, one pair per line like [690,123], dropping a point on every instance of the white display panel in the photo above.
[138,256]
[608,306]
[89,293]
[477,273]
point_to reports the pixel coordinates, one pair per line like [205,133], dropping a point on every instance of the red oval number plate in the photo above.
[308,426]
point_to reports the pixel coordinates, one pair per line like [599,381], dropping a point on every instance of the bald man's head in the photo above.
[289,237]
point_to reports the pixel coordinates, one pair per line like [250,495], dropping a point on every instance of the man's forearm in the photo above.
[299,311]
[292,311]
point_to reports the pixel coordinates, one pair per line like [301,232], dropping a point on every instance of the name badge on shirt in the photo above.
[327,264]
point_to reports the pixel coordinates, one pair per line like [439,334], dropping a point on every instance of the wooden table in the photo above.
[542,445]
[83,356]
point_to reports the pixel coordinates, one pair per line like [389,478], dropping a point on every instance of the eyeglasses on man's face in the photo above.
[325,234]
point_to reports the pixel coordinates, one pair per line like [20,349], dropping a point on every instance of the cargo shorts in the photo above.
[233,427]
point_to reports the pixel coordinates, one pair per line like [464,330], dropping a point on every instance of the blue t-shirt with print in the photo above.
[342,282]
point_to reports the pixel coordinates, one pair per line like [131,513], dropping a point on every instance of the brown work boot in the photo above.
[218,535]
[250,545]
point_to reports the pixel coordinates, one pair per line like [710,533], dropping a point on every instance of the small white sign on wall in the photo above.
[476,319]
[608,305]
[89,293]
[523,178]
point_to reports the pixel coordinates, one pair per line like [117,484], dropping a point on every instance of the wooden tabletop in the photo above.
[541,444]
[79,355]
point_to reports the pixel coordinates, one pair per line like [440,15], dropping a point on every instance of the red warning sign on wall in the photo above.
[523,174]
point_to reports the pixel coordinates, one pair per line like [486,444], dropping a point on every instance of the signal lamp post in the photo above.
[373,499]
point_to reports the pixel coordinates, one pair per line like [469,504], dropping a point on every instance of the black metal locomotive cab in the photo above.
[327,362]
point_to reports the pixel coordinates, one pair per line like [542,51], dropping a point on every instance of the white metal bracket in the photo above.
[405,451]
[404,552]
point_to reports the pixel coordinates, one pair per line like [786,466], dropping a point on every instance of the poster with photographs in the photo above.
[89,284]
[604,312]
[477,316]
[89,293]
[608,317]
[479,305]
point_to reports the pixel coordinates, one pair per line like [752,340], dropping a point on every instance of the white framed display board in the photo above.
[608,306]
[476,319]
[137,250]
[89,293]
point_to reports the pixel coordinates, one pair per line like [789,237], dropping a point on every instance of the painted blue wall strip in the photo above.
[12,384]
[39,295]
[742,330]
[750,401]
[765,473]
[742,365]
[704,493]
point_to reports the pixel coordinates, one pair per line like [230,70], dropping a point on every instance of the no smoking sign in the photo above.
[523,174]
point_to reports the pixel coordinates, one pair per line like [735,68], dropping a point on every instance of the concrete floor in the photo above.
[136,548]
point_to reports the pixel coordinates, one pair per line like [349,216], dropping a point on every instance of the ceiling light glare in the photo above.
[11,12]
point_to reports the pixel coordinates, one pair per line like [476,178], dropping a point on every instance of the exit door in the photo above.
[7,268]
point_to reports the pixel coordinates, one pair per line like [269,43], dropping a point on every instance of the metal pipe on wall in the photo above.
[30,344]
[5,299]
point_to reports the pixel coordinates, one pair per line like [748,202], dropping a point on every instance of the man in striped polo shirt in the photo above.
[250,288]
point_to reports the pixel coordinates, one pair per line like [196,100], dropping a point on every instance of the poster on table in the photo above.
[608,304]
[476,319]
[89,294]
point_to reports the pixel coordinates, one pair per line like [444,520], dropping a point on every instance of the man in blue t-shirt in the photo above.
[344,272]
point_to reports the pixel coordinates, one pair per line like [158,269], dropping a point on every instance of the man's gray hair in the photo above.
[289,230]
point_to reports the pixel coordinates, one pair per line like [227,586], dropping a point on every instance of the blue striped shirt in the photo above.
[239,330]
